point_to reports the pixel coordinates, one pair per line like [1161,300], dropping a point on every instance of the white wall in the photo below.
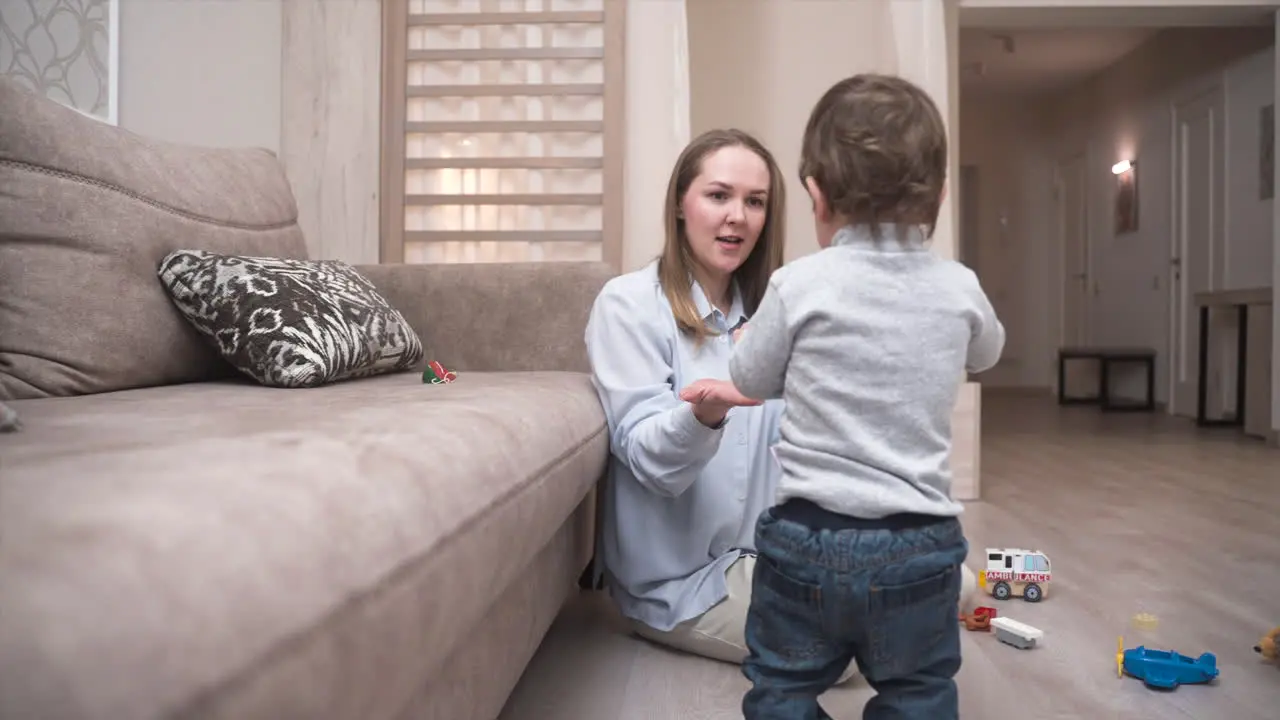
[1250,85]
[747,71]
[1004,140]
[1123,113]
[216,72]
[202,71]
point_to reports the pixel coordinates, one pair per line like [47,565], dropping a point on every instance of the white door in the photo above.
[1073,219]
[1197,235]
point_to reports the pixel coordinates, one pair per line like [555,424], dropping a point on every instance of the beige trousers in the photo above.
[720,633]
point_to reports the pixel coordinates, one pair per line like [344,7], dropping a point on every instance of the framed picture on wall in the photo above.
[68,51]
[1127,200]
[1267,152]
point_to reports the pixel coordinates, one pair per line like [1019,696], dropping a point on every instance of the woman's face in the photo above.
[724,209]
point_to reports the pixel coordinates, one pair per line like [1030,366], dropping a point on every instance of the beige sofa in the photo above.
[177,541]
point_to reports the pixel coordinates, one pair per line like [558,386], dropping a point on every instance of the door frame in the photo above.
[1211,86]
[1084,156]
[970,213]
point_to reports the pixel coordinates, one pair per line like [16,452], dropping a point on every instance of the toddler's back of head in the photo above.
[876,147]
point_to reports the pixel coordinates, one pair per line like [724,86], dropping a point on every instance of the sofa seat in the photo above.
[232,551]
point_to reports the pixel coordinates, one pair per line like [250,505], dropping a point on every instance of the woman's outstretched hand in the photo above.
[712,399]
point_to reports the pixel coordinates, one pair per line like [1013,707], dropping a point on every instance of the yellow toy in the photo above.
[1144,621]
[1266,647]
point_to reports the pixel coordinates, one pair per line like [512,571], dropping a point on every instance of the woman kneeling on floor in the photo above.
[687,482]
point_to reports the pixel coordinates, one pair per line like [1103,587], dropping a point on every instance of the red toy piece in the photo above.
[979,619]
[437,375]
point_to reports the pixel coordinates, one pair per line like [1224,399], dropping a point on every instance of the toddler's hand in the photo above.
[737,334]
[715,393]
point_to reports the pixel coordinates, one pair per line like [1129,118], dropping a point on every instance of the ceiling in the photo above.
[1027,14]
[1017,61]
[1032,47]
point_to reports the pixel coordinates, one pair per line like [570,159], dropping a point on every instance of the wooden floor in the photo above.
[1136,512]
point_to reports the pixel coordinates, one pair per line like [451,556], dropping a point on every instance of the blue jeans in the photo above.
[885,597]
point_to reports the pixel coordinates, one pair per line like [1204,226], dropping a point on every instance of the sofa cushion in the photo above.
[87,210]
[290,323]
[241,552]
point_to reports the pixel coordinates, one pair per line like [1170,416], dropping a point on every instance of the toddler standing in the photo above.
[867,341]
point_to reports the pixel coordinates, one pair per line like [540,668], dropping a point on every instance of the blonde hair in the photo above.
[876,147]
[676,262]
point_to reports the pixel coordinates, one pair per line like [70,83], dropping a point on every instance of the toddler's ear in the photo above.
[821,210]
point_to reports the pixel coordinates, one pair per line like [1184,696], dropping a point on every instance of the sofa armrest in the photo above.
[496,316]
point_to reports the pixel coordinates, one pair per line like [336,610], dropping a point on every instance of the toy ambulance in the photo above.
[1016,573]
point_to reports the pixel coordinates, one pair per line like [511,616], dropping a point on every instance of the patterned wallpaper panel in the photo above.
[60,48]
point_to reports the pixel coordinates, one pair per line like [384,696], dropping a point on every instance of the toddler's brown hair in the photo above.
[876,146]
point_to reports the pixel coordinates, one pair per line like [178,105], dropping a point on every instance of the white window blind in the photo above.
[502,130]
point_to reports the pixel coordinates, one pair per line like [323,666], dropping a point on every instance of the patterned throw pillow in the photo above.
[290,323]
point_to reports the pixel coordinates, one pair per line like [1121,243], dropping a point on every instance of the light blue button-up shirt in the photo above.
[681,499]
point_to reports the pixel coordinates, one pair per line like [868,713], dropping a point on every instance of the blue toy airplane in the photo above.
[1164,669]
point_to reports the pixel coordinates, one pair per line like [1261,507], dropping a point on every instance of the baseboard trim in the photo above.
[1014,389]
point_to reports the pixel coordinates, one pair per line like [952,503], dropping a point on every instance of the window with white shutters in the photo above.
[502,124]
